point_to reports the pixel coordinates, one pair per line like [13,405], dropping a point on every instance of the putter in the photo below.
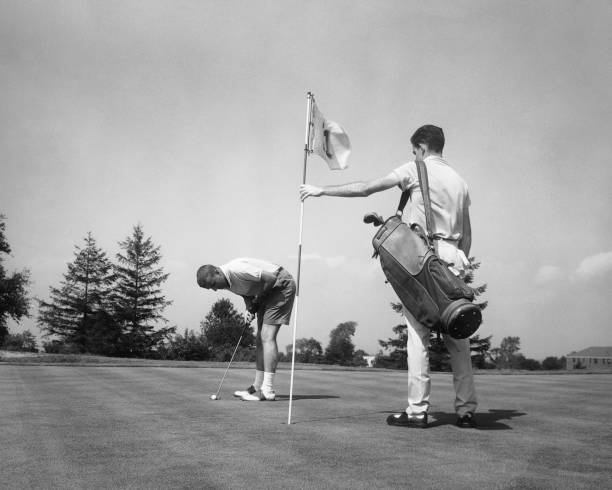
[216,395]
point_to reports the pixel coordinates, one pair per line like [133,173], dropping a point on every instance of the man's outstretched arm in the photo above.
[352,189]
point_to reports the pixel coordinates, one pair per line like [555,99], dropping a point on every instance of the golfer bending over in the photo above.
[449,202]
[268,291]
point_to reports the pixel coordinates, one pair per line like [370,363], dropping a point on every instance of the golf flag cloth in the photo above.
[328,140]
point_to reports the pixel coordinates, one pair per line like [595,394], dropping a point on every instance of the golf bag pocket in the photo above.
[450,286]
[435,296]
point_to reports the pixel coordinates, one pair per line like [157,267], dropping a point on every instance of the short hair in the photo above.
[432,136]
[205,273]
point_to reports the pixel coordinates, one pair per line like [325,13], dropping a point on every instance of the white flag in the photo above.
[329,140]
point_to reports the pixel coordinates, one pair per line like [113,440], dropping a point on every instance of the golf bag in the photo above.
[435,296]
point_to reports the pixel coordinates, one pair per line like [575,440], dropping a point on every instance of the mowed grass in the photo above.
[99,426]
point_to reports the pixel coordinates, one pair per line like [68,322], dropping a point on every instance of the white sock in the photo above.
[268,382]
[259,377]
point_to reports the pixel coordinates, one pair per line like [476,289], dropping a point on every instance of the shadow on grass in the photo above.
[338,417]
[304,397]
[491,420]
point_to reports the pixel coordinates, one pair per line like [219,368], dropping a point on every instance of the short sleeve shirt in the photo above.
[244,275]
[448,192]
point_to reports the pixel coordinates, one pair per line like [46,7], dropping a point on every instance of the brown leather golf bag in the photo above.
[435,296]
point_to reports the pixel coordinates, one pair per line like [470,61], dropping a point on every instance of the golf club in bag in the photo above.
[216,395]
[436,297]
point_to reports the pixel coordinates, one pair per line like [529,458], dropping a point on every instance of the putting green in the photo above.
[156,427]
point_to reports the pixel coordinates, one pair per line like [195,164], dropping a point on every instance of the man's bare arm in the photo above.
[352,189]
[465,242]
[266,284]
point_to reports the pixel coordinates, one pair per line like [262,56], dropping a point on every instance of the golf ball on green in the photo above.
[213,397]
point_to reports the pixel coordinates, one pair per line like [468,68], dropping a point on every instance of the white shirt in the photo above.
[244,275]
[450,202]
[448,192]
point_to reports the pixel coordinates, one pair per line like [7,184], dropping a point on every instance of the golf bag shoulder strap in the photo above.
[402,203]
[424,184]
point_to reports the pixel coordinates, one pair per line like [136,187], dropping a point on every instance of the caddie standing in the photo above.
[268,291]
[450,206]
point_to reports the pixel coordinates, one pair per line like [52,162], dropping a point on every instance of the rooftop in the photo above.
[592,352]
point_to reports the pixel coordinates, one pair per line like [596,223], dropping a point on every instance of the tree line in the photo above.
[115,308]
[506,356]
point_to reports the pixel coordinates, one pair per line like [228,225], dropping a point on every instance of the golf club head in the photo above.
[374,218]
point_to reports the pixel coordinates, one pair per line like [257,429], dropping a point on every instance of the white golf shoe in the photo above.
[242,393]
[259,396]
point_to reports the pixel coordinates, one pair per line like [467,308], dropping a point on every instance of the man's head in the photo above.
[211,277]
[428,139]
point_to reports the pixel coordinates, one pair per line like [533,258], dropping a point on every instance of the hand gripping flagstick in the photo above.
[328,140]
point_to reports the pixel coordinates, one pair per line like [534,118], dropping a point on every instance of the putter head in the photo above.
[374,218]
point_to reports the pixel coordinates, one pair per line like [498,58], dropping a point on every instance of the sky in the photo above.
[188,118]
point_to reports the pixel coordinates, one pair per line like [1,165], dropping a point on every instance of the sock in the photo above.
[268,382]
[259,377]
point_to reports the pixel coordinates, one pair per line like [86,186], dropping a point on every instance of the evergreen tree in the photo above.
[480,351]
[221,330]
[340,349]
[469,279]
[396,346]
[14,301]
[77,312]
[137,299]
[439,358]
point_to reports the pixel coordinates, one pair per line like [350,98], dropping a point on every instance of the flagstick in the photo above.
[299,264]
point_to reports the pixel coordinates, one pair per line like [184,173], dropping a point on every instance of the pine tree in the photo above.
[479,349]
[137,299]
[396,346]
[14,301]
[78,306]
[469,279]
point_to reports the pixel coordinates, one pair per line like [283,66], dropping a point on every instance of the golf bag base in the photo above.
[461,318]
[436,297]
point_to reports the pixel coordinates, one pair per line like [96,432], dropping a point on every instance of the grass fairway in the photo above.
[100,426]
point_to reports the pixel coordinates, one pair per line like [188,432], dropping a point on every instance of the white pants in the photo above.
[419,382]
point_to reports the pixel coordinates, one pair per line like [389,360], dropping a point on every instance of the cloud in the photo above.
[590,268]
[547,274]
[594,266]
[332,262]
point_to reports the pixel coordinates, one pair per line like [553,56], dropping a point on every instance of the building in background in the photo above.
[594,358]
